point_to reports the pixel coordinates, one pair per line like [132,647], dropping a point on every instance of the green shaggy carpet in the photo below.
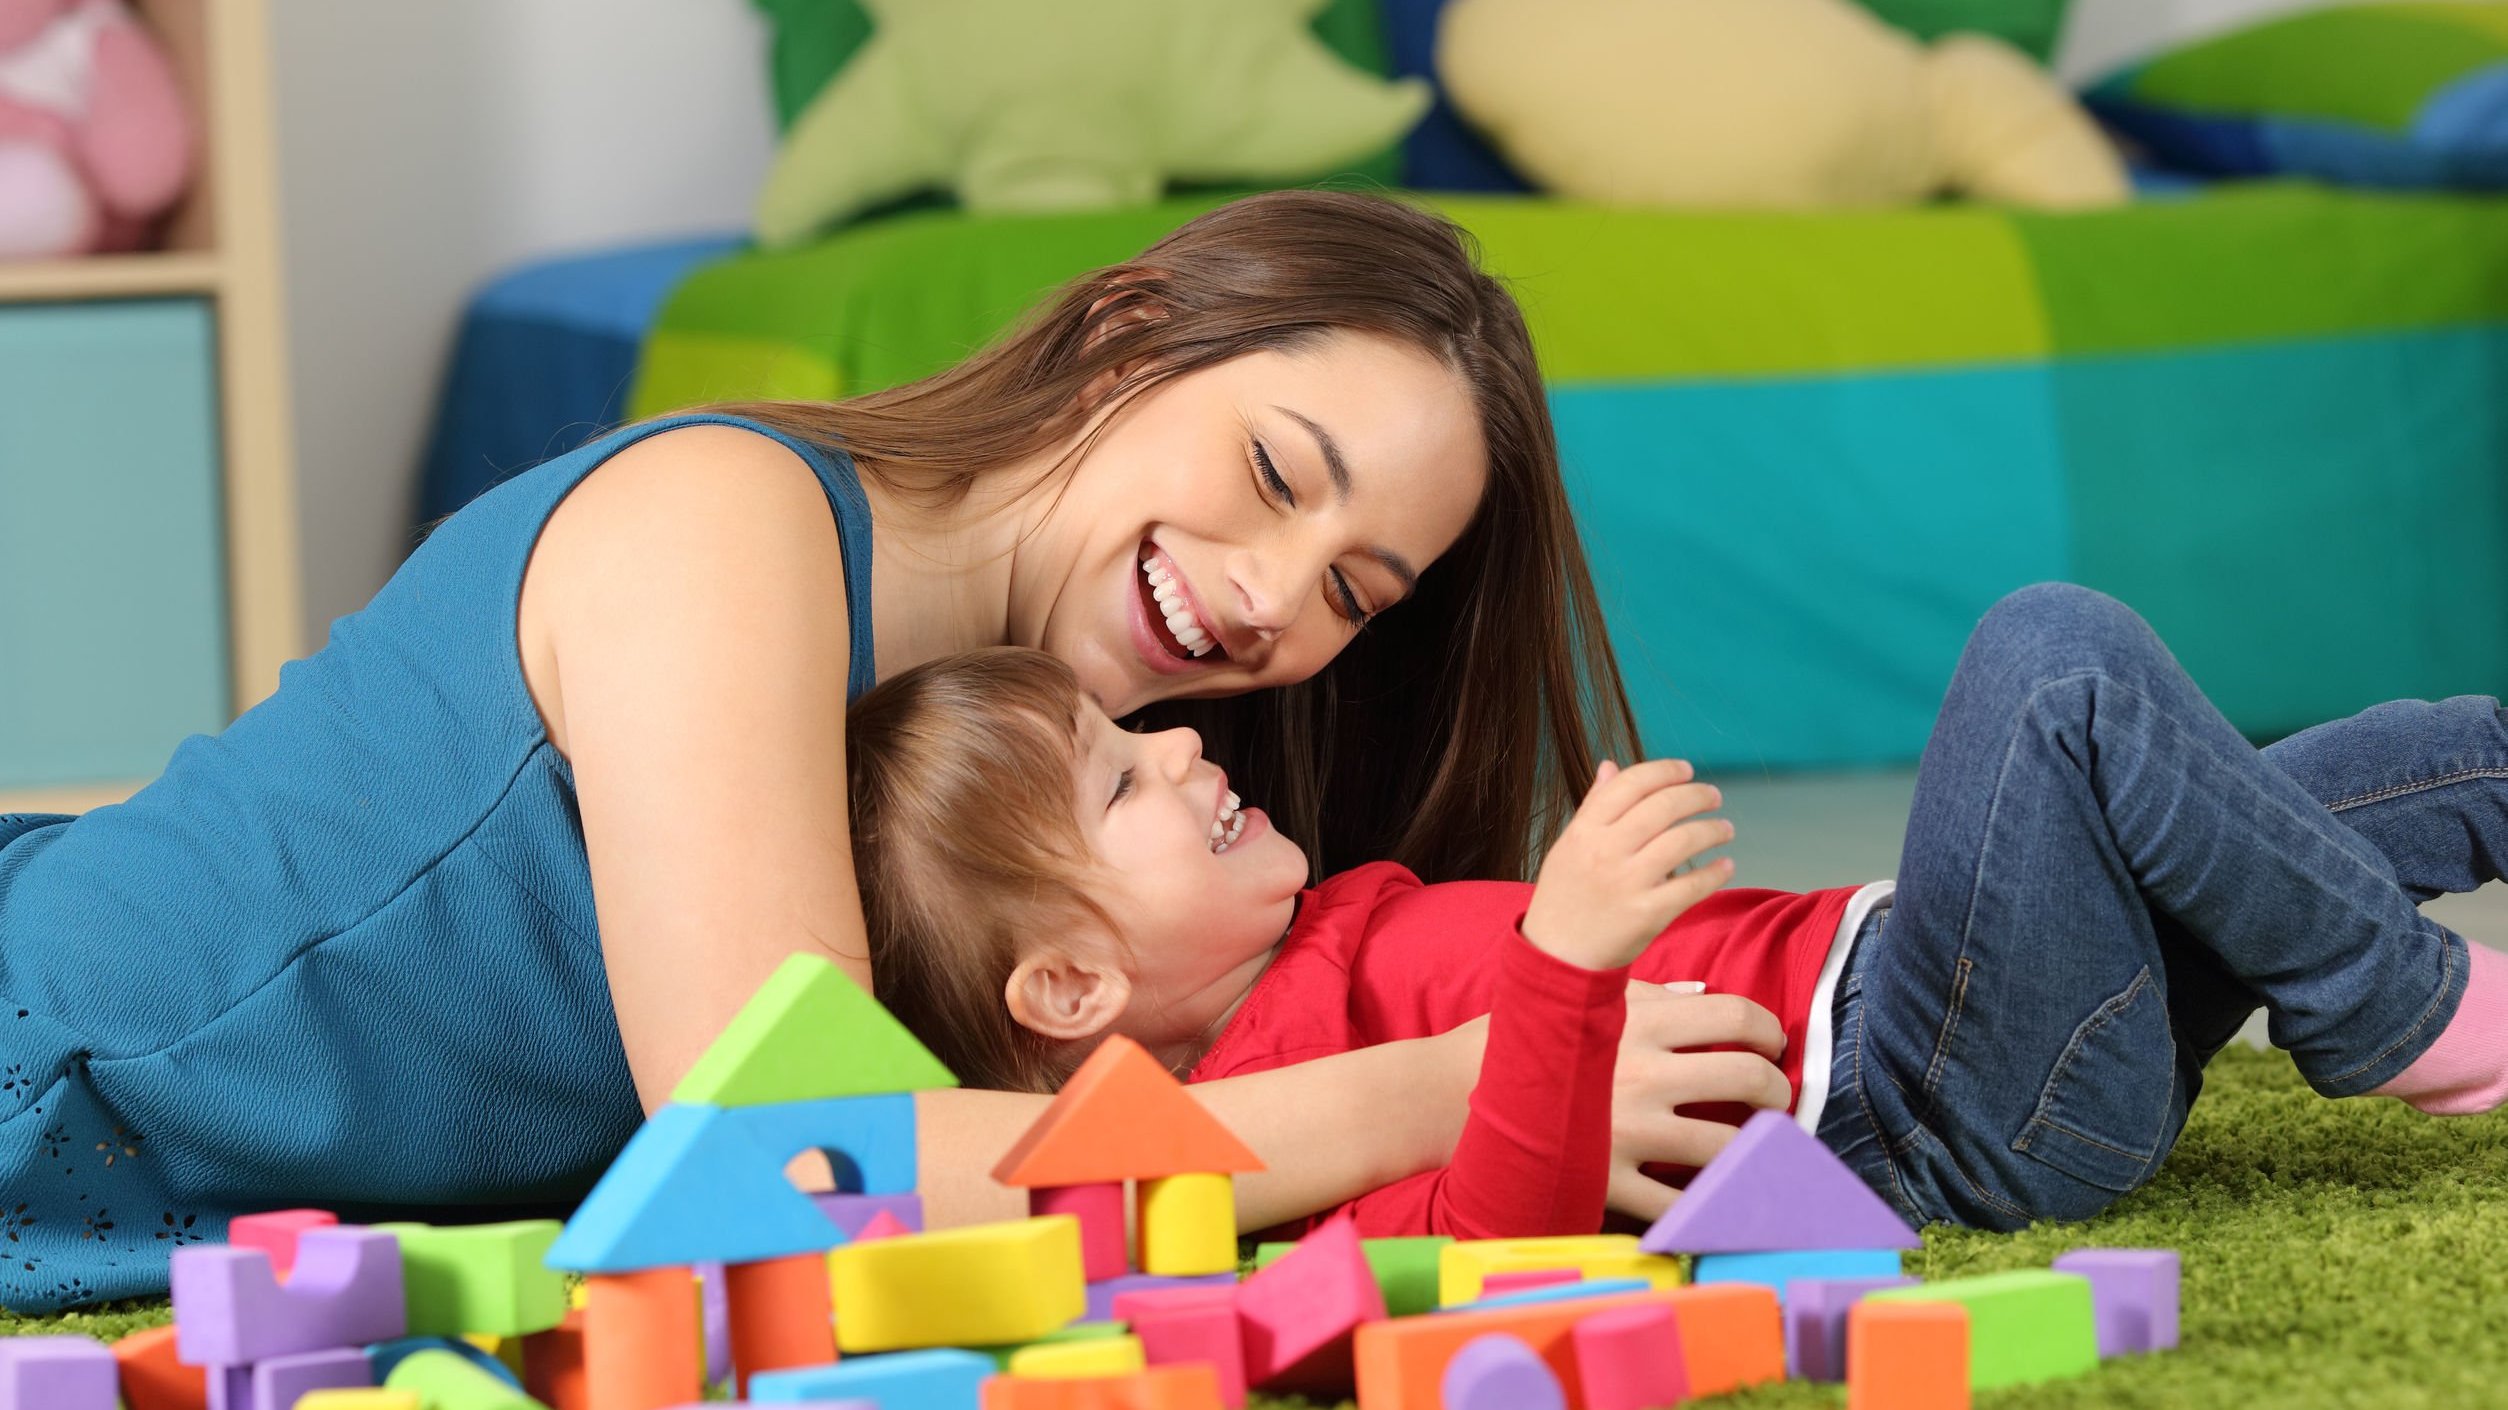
[2350,1254]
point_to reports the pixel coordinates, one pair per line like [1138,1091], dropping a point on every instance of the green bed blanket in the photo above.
[1809,450]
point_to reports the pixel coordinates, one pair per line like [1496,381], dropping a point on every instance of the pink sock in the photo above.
[2466,1070]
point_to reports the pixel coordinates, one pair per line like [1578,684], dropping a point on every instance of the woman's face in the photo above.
[1232,529]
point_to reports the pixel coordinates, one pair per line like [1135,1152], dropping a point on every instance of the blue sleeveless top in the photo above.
[342,954]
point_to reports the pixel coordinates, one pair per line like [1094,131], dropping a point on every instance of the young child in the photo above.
[1036,877]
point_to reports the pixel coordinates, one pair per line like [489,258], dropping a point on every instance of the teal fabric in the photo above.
[343,954]
[1790,567]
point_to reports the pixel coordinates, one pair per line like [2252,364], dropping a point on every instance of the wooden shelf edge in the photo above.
[111,276]
[69,798]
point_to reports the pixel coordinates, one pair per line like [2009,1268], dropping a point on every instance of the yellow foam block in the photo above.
[1462,1266]
[358,1400]
[983,1285]
[1188,1225]
[1079,1360]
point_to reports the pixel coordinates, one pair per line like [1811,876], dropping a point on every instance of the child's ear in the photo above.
[1066,998]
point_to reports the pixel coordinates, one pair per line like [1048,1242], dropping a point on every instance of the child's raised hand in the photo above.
[1608,887]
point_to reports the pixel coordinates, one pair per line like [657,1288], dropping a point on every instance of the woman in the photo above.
[435,925]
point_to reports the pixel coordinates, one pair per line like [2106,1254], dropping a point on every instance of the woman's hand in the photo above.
[1612,881]
[1654,1076]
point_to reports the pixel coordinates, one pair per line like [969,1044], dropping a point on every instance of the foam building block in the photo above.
[2023,1327]
[868,1139]
[1121,1116]
[1907,1356]
[1815,1322]
[1095,1359]
[1157,1388]
[480,1278]
[690,1187]
[1189,1328]
[152,1379]
[56,1373]
[780,1315]
[1630,1359]
[553,1365]
[1463,1265]
[1729,1338]
[280,1382]
[1775,1188]
[1405,1268]
[1060,1336]
[1775,1270]
[1099,1208]
[642,1343]
[807,1034]
[275,1233]
[1500,1284]
[230,1309]
[1298,1315]
[377,1398]
[854,1213]
[885,1225]
[1577,1291]
[443,1381]
[1496,1371]
[979,1285]
[384,1355]
[2133,1292]
[714,1317]
[1188,1225]
[1105,1297]
[943,1378]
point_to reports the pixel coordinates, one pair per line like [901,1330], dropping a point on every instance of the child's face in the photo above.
[1199,914]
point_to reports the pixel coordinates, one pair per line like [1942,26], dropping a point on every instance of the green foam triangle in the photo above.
[808,1034]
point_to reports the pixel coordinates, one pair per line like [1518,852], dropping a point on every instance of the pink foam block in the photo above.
[1500,1372]
[1630,1358]
[1299,1314]
[1775,1189]
[2134,1293]
[1525,1280]
[882,1225]
[1099,1208]
[56,1373]
[230,1309]
[281,1381]
[1179,1326]
[1815,1322]
[1107,1300]
[276,1233]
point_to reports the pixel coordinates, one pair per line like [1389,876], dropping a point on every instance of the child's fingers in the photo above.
[1611,797]
[1662,807]
[1636,1195]
[1703,1020]
[1675,848]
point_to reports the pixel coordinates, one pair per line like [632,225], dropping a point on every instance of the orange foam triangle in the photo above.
[1122,1117]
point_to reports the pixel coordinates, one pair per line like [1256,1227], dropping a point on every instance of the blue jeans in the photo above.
[2102,879]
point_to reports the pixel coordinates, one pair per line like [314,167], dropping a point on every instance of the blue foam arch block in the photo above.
[691,1187]
[943,1378]
[875,1133]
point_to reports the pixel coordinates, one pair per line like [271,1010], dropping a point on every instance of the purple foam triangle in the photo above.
[1776,1189]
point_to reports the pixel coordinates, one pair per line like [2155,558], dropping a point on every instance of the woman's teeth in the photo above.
[1170,599]
[1229,824]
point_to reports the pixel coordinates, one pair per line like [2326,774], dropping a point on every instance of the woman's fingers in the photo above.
[1638,1196]
[1661,1020]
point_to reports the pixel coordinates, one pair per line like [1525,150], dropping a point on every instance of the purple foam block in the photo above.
[281,1381]
[1102,1295]
[714,1310]
[1776,1189]
[1815,1323]
[851,1212]
[230,1387]
[1501,1372]
[2135,1293]
[231,1310]
[56,1373]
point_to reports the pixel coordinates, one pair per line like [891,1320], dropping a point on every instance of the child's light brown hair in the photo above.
[965,844]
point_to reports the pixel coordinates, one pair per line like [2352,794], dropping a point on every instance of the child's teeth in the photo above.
[1234,802]
[1217,831]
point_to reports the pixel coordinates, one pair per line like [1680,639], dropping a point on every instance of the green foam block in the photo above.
[444,1381]
[2023,1327]
[1405,1269]
[486,1279]
[810,1034]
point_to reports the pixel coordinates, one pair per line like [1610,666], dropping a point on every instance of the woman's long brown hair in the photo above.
[1455,733]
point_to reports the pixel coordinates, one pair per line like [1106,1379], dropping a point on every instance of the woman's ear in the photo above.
[1066,998]
[1126,307]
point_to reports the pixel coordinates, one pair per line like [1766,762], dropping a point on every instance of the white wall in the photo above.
[425,145]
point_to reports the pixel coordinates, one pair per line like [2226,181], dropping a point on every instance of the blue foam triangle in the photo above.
[1775,1188]
[691,1187]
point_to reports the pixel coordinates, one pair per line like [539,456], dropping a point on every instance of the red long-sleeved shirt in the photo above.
[1375,955]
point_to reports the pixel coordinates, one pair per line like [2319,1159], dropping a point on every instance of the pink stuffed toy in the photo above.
[95,142]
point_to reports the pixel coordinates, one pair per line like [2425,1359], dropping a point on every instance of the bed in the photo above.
[1806,450]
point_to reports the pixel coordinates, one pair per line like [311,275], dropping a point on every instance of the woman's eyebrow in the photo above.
[1338,470]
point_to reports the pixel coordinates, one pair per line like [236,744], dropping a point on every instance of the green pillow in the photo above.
[2031,25]
[813,38]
